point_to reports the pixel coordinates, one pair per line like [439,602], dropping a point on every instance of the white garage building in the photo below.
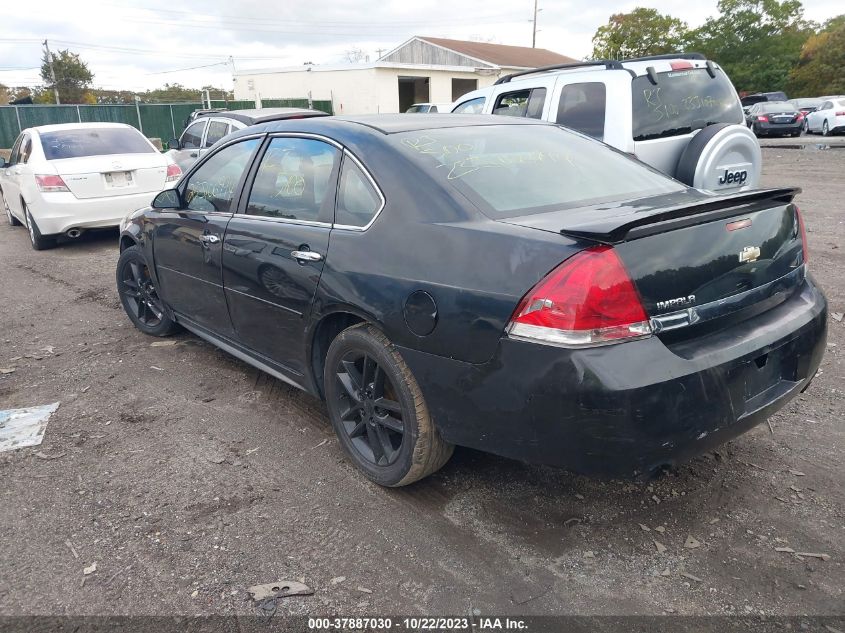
[423,69]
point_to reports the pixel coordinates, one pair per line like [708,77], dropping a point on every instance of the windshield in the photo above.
[93,142]
[513,170]
[416,108]
[682,101]
[776,107]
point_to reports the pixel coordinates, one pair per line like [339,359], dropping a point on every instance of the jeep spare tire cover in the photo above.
[721,157]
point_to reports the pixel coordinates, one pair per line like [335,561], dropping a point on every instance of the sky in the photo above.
[138,46]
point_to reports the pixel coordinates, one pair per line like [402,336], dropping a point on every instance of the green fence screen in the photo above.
[159,120]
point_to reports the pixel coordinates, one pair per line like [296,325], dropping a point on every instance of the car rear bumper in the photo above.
[59,212]
[625,410]
[779,128]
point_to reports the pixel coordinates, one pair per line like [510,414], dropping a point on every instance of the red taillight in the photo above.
[804,251]
[762,117]
[799,116]
[50,183]
[588,300]
[173,173]
[840,114]
[680,65]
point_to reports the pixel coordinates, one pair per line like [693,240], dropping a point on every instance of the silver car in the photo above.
[209,126]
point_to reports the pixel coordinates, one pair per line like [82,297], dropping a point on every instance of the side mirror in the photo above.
[167,199]
[174,144]
[3,163]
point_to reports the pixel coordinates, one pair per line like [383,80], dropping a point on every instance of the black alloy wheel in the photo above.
[378,411]
[371,415]
[139,296]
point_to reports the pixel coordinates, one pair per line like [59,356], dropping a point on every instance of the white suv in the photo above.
[679,113]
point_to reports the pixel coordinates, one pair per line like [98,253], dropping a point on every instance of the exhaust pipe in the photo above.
[73,233]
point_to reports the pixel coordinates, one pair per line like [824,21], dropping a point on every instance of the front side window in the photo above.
[527,103]
[357,199]
[515,170]
[682,101]
[94,142]
[582,108]
[192,137]
[216,131]
[473,106]
[294,180]
[213,185]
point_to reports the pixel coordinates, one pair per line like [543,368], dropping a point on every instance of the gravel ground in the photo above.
[187,476]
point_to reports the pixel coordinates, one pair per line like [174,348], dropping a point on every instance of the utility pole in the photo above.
[534,32]
[52,72]
[379,51]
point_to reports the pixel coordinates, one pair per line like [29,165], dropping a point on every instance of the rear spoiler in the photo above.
[616,228]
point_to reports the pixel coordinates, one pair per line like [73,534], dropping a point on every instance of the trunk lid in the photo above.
[715,254]
[118,175]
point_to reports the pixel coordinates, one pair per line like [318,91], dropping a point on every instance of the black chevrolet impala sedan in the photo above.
[506,285]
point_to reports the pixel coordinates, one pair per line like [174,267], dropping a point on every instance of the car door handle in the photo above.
[193,154]
[306,256]
[209,239]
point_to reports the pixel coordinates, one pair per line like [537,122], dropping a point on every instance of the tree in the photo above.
[757,42]
[820,66]
[638,33]
[72,76]
[5,94]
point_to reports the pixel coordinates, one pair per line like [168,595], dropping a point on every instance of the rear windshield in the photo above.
[776,106]
[93,142]
[513,170]
[682,101]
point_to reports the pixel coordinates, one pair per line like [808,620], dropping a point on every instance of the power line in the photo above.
[178,70]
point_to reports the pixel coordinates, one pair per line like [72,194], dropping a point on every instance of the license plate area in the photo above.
[769,376]
[118,179]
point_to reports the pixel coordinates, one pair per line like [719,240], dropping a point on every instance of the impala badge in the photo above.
[749,254]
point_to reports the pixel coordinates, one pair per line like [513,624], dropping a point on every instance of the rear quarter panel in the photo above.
[427,238]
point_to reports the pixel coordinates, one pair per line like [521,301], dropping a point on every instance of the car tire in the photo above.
[39,242]
[139,297]
[825,129]
[364,370]
[13,221]
[806,127]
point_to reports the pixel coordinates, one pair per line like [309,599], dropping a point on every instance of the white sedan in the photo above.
[828,119]
[64,179]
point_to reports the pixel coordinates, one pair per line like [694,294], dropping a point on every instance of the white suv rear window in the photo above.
[682,101]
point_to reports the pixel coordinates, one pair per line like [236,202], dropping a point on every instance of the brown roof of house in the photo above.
[502,55]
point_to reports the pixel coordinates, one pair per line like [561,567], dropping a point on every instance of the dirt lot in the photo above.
[188,476]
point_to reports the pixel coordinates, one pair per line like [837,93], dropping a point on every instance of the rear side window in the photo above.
[294,180]
[94,142]
[582,108]
[682,101]
[216,131]
[192,137]
[527,103]
[26,149]
[514,170]
[357,201]
[473,106]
